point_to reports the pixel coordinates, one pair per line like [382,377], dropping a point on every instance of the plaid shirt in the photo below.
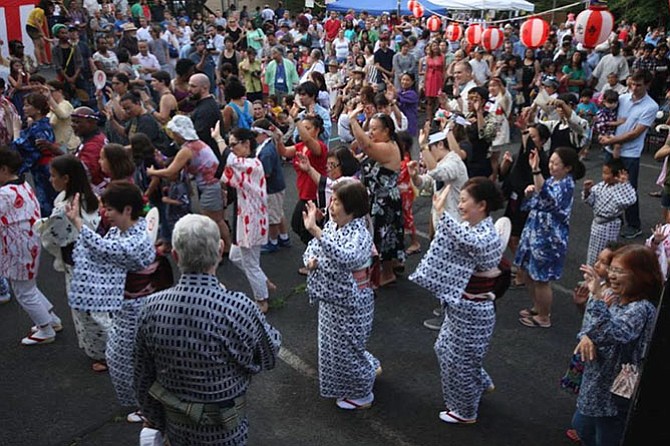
[642,63]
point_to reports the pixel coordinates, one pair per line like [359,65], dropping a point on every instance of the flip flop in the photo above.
[348,404]
[534,323]
[410,252]
[573,435]
[656,194]
[527,312]
[99,367]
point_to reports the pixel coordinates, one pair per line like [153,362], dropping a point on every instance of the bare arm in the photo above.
[311,143]
[177,164]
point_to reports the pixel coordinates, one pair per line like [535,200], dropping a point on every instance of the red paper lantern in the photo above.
[434,23]
[418,11]
[593,27]
[492,39]
[473,34]
[411,4]
[454,32]
[534,33]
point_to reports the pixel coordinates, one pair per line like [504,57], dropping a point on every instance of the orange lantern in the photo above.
[434,23]
[473,35]
[534,33]
[454,32]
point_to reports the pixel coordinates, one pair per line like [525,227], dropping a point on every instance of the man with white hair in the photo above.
[198,345]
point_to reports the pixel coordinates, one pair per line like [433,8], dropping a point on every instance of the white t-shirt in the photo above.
[480,71]
[341,48]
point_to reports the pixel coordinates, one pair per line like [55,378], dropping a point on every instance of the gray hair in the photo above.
[196,239]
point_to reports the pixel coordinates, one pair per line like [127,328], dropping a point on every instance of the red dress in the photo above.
[434,76]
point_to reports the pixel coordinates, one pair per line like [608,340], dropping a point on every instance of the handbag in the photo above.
[625,382]
[572,380]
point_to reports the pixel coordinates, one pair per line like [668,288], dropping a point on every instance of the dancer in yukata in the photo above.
[460,268]
[245,173]
[609,199]
[101,265]
[198,346]
[338,259]
[20,248]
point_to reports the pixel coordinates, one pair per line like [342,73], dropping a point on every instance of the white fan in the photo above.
[504,228]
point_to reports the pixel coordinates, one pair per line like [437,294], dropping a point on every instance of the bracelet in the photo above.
[537,172]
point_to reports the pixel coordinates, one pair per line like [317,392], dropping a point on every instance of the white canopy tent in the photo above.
[485,5]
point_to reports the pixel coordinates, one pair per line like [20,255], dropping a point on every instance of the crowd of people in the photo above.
[196,118]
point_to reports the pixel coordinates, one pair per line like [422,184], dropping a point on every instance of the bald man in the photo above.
[207,112]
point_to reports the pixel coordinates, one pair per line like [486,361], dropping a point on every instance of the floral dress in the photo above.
[544,240]
[385,209]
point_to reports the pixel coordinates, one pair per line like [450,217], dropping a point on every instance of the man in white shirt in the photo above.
[610,63]
[147,60]
[143,32]
[463,83]
[267,13]
[480,68]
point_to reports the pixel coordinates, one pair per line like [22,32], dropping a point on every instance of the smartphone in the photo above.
[361,117]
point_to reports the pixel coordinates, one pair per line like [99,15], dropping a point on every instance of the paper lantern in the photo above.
[411,4]
[492,39]
[418,11]
[434,24]
[534,33]
[593,27]
[473,34]
[454,32]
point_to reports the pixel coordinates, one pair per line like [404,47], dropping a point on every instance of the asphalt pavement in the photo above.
[49,395]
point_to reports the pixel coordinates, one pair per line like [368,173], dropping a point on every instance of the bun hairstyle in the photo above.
[10,159]
[483,189]
[570,158]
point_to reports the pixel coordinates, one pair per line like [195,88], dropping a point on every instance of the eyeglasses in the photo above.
[233,144]
[331,166]
[617,271]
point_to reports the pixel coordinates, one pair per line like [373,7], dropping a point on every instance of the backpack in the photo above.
[244,118]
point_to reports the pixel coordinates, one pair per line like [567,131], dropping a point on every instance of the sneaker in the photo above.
[43,336]
[630,232]
[434,324]
[438,311]
[284,243]
[269,248]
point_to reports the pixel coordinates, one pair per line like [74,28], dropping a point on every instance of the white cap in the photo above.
[437,137]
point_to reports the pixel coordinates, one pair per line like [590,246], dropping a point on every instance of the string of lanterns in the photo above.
[592,27]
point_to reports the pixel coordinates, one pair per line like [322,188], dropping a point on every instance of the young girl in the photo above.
[335,258]
[68,177]
[20,246]
[19,83]
[609,199]
[245,173]
[407,192]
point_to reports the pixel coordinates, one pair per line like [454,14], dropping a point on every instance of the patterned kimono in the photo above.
[620,334]
[57,233]
[608,201]
[98,282]
[202,343]
[544,240]
[248,177]
[457,251]
[346,308]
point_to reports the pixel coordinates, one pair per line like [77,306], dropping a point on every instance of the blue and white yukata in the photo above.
[457,251]
[202,343]
[346,309]
[608,201]
[620,334]
[98,282]
[544,240]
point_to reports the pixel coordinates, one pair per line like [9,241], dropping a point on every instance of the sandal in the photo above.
[99,367]
[528,312]
[573,435]
[656,194]
[450,417]
[532,322]
[352,404]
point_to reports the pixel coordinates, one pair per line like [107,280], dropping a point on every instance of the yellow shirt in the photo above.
[36,18]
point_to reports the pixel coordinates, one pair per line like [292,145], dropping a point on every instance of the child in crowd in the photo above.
[177,200]
[614,84]
[587,109]
[20,247]
[273,106]
[407,192]
[609,199]
[606,120]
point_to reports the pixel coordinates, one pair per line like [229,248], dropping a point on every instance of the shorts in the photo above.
[211,197]
[665,200]
[33,32]
[275,207]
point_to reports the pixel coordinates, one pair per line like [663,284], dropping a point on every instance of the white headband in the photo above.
[261,130]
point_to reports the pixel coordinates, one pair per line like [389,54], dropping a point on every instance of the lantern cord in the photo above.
[511,19]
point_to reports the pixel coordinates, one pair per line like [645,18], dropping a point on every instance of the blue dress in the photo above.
[544,240]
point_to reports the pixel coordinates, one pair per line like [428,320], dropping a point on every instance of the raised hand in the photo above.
[534,159]
[73,211]
[309,216]
[591,280]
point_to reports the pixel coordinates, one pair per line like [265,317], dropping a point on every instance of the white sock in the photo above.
[274,242]
[283,236]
